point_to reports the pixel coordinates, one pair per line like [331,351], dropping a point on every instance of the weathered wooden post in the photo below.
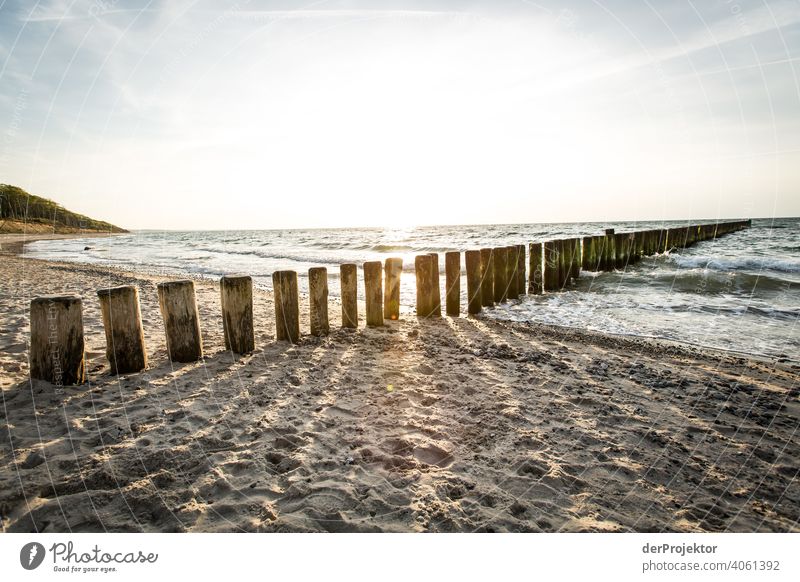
[598,243]
[437,288]
[348,279]
[576,258]
[612,252]
[236,301]
[563,263]
[521,279]
[631,246]
[57,347]
[551,271]
[474,283]
[587,258]
[620,240]
[500,275]
[122,321]
[424,272]
[535,267]
[318,301]
[178,305]
[452,265]
[487,278]
[511,268]
[373,293]
[610,259]
[287,306]
[637,244]
[663,242]
[392,269]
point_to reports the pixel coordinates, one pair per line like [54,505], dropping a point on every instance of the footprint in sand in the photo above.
[433,455]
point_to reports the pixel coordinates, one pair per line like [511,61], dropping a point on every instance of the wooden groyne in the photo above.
[493,276]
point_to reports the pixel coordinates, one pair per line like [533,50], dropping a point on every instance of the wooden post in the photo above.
[236,301]
[348,279]
[536,272]
[551,271]
[452,264]
[57,347]
[487,277]
[423,271]
[563,267]
[318,301]
[474,281]
[619,250]
[392,269]
[287,306]
[500,280]
[636,246]
[122,321]
[521,288]
[511,268]
[436,286]
[663,243]
[622,250]
[587,258]
[612,252]
[599,245]
[373,293]
[178,305]
[576,258]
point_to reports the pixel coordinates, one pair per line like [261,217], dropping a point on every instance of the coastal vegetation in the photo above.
[23,212]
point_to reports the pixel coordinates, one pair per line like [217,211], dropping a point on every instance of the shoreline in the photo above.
[14,243]
[467,424]
[15,248]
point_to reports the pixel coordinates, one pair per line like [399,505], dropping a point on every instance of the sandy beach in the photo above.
[457,425]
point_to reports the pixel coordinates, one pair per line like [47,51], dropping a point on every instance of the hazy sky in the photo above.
[267,114]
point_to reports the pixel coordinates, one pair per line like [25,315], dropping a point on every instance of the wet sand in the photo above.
[457,425]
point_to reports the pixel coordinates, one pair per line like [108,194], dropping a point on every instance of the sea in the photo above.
[738,293]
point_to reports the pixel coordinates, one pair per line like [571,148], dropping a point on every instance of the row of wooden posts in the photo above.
[494,275]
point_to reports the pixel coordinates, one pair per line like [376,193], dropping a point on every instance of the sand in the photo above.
[458,425]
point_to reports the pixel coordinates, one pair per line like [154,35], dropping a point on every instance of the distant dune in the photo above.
[21,212]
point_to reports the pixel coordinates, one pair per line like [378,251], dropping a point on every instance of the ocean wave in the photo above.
[383,248]
[745,263]
[720,282]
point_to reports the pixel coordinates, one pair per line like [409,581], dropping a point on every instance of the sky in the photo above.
[264,114]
